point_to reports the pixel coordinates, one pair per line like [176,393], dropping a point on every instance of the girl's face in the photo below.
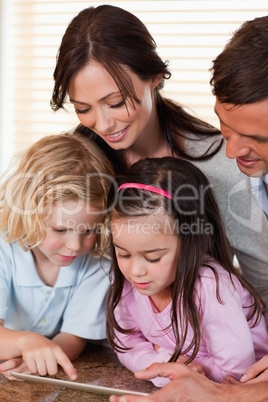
[100,106]
[70,232]
[147,252]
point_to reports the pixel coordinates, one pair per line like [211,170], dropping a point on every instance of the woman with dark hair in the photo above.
[108,66]
[175,291]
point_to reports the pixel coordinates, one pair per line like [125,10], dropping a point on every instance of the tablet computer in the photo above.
[96,389]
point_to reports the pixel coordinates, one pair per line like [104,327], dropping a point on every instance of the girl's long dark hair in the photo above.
[116,39]
[193,204]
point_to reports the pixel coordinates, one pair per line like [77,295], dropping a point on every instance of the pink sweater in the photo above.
[228,344]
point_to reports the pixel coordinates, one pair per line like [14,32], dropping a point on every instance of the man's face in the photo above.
[245,128]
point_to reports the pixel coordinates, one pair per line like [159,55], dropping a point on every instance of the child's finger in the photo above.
[10,377]
[43,365]
[37,362]
[230,380]
[10,364]
[31,363]
[52,366]
[66,365]
[22,368]
[47,363]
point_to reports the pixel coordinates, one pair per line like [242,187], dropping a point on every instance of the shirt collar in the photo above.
[256,182]
[27,275]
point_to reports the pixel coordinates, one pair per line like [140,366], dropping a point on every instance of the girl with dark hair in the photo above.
[175,292]
[108,67]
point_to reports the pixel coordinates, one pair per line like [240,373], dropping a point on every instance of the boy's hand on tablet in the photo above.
[43,356]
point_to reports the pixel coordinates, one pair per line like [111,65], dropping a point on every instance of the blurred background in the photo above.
[190,34]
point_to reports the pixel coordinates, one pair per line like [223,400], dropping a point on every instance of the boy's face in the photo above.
[71,232]
[147,253]
[245,128]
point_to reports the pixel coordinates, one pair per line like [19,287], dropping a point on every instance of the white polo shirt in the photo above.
[76,304]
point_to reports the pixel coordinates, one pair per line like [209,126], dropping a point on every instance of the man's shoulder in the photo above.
[222,172]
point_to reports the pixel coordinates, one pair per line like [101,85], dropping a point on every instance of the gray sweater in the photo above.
[246,223]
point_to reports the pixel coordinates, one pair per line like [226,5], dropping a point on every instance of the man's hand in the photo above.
[193,366]
[256,373]
[186,385]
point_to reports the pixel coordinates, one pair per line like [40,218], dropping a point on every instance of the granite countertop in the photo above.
[97,365]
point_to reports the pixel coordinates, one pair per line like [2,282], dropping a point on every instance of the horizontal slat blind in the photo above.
[190,34]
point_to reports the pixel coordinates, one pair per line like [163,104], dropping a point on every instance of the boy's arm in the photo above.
[39,353]
[72,345]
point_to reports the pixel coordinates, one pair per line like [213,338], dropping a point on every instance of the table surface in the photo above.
[98,365]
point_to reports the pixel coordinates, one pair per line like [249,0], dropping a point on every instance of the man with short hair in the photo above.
[240,84]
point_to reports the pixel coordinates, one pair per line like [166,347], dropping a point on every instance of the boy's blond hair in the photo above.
[56,168]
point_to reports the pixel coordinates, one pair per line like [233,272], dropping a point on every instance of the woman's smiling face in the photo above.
[100,106]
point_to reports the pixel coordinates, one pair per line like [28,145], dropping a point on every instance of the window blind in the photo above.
[190,34]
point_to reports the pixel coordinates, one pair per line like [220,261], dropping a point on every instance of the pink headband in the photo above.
[146,187]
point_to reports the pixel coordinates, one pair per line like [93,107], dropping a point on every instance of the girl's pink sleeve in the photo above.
[225,330]
[142,353]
